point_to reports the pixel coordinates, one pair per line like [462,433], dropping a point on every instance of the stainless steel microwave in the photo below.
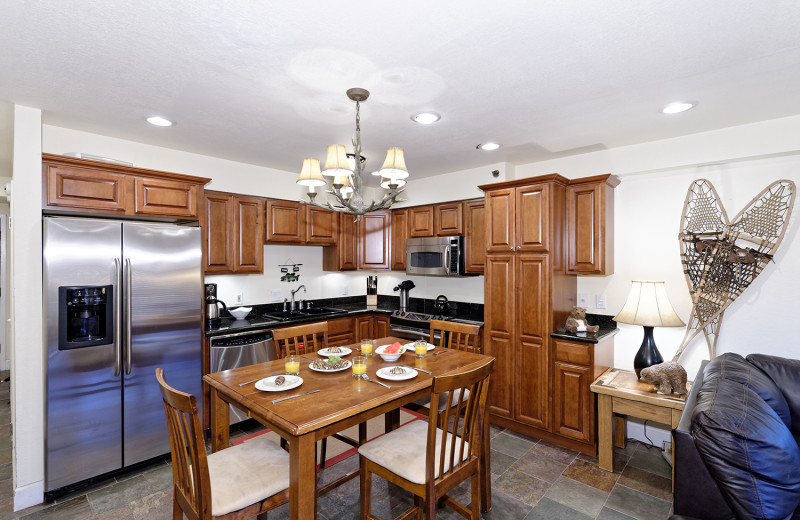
[437,256]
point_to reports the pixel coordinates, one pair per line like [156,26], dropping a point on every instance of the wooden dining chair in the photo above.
[305,339]
[232,484]
[457,336]
[428,460]
[300,339]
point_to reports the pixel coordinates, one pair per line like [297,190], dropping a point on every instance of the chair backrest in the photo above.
[300,339]
[192,487]
[460,336]
[460,441]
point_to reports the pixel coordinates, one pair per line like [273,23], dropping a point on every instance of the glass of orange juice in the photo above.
[366,346]
[292,365]
[421,348]
[359,366]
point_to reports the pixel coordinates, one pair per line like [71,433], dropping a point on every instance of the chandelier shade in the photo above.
[336,162]
[310,174]
[394,167]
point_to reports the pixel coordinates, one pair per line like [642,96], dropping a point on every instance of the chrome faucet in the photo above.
[292,304]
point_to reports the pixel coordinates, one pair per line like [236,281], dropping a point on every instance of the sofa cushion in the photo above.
[785,373]
[745,444]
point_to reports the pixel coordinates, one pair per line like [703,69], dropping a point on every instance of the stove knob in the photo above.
[402,313]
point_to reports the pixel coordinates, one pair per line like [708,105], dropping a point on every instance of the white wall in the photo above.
[27,352]
[740,161]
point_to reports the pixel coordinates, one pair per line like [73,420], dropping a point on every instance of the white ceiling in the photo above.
[264,82]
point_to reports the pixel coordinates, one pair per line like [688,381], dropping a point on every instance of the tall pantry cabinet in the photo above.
[528,294]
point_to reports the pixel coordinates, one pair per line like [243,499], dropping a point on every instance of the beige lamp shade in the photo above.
[310,175]
[649,306]
[394,167]
[336,162]
[385,181]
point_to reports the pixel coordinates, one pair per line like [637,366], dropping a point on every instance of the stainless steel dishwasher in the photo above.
[240,350]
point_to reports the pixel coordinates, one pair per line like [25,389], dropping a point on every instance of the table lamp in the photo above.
[648,306]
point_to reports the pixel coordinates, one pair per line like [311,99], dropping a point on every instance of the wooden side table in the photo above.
[620,393]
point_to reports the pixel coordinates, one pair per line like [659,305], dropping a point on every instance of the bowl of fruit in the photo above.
[391,352]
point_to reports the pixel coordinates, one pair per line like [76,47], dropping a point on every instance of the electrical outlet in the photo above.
[238,299]
[277,295]
[344,290]
[601,301]
[583,300]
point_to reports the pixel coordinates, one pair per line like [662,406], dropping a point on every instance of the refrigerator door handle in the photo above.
[128,290]
[117,318]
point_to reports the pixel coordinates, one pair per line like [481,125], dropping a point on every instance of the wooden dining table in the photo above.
[341,402]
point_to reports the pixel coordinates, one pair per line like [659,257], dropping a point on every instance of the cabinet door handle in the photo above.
[519,247]
[512,248]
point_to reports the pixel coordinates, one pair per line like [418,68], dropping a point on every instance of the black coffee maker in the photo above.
[212,309]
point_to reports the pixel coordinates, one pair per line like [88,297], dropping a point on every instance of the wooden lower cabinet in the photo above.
[364,329]
[381,328]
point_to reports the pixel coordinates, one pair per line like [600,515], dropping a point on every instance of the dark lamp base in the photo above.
[648,355]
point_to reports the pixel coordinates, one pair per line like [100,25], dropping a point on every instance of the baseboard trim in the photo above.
[27,496]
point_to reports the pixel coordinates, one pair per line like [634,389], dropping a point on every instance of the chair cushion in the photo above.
[245,474]
[402,451]
[745,444]
[426,401]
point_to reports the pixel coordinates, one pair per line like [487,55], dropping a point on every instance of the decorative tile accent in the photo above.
[591,475]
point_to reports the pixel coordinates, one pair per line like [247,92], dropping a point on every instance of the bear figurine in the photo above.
[669,377]
[577,322]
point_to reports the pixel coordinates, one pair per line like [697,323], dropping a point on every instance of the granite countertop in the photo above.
[608,328]
[345,306]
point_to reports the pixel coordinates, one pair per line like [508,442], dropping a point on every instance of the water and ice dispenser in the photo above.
[85,316]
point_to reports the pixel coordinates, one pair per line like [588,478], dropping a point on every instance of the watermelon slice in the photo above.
[394,348]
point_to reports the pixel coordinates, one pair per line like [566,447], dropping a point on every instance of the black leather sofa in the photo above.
[737,452]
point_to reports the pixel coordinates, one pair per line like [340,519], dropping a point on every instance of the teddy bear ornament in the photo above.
[577,322]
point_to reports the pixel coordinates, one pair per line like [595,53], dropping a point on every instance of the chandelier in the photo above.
[345,169]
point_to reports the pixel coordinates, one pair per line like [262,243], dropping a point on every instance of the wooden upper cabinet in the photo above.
[71,187]
[474,229]
[399,237]
[160,197]
[343,256]
[233,233]
[420,222]
[375,240]
[81,185]
[590,225]
[500,221]
[532,218]
[285,221]
[248,228]
[449,219]
[322,225]
[218,236]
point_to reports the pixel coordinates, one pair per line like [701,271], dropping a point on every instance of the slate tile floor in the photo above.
[532,479]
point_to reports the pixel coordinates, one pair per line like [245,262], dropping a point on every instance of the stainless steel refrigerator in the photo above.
[121,298]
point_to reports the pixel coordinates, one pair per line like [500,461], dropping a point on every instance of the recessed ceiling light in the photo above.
[159,121]
[426,118]
[489,146]
[678,107]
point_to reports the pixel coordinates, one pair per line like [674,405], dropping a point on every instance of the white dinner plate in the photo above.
[327,352]
[410,347]
[268,384]
[385,373]
[347,364]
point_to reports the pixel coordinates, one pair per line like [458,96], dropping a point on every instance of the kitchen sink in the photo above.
[321,310]
[314,311]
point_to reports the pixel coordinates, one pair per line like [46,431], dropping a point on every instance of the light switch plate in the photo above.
[344,290]
[583,300]
[238,299]
[601,301]
[277,295]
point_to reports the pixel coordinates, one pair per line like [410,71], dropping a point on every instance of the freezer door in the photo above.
[83,433]
[164,302]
